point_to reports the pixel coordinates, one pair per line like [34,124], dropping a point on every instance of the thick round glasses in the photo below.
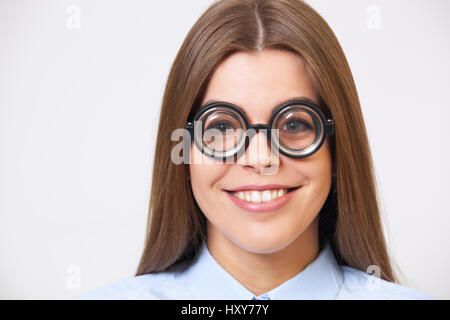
[297,129]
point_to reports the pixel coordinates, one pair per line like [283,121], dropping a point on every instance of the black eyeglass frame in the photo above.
[327,125]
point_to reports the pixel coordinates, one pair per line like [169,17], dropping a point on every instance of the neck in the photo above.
[262,272]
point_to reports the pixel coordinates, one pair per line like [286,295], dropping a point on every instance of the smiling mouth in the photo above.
[254,196]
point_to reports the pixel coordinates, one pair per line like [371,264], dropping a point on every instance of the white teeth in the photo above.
[258,196]
[266,195]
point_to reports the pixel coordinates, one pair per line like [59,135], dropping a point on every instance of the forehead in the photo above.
[260,82]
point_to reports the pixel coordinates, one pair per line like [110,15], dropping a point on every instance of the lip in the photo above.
[262,207]
[261,188]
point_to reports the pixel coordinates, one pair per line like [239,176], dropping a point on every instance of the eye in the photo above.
[221,126]
[295,125]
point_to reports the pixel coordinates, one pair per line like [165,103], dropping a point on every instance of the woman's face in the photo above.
[258,83]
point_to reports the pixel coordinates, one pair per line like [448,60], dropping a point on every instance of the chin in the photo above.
[263,245]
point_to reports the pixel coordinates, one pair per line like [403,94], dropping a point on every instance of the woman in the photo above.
[283,205]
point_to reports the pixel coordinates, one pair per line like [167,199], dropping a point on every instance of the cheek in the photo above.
[315,173]
[316,169]
[204,173]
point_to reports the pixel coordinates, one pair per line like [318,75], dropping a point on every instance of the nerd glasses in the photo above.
[297,129]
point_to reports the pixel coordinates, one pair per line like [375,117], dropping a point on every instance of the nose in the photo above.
[258,156]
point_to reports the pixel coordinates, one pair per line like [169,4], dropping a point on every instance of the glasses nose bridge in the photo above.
[256,128]
[259,158]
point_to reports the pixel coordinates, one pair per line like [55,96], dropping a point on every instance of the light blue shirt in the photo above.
[205,279]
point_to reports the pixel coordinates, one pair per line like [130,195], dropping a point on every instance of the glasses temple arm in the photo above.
[329,127]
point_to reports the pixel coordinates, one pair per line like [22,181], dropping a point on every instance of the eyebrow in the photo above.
[271,111]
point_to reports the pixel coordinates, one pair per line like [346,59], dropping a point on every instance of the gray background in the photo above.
[78,117]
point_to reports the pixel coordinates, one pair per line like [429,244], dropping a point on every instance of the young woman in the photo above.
[277,199]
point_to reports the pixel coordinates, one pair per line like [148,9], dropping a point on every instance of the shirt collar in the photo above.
[321,279]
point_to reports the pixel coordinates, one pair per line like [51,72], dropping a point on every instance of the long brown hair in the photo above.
[350,218]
